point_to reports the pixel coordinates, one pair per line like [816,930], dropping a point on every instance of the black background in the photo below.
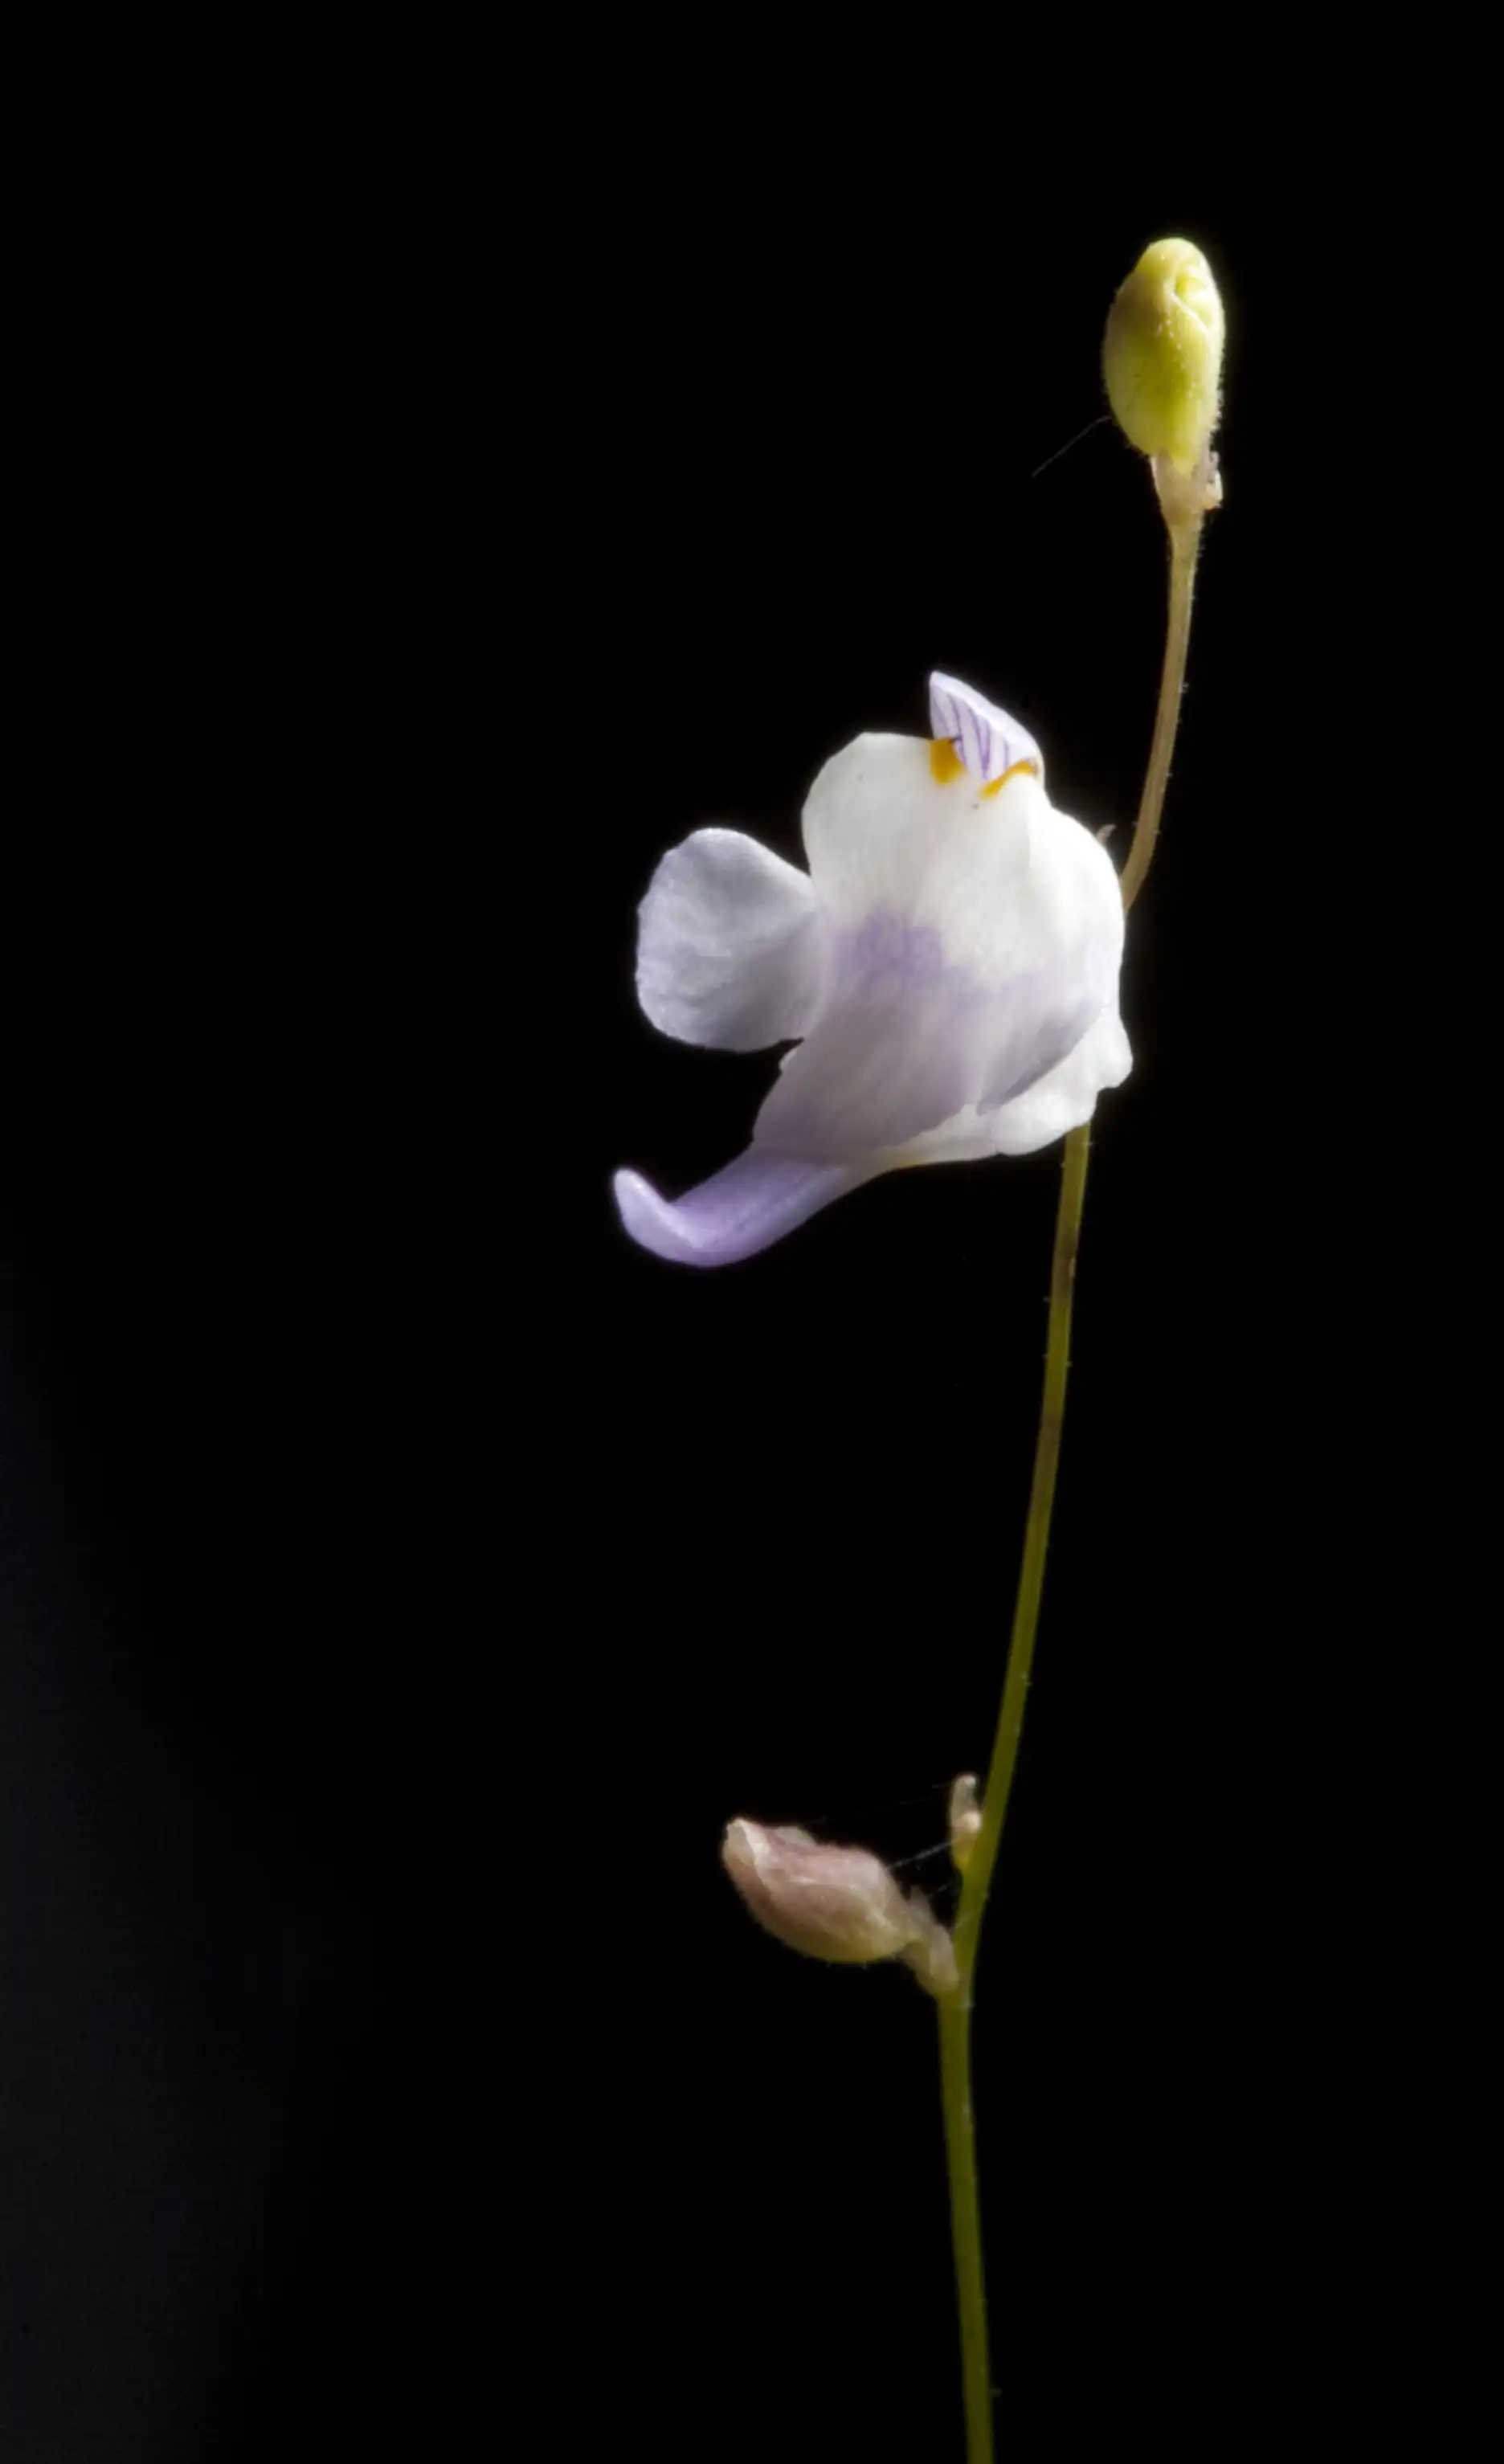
[404,1579]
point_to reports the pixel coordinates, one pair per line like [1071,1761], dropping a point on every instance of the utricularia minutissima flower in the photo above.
[946,969]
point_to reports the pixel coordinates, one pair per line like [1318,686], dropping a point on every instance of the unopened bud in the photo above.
[965,1821]
[1161,355]
[838,1904]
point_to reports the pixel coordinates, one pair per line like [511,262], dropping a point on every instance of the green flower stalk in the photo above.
[948,971]
[1162,359]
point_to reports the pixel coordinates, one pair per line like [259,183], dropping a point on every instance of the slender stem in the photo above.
[965,2214]
[1184,540]
[955,2008]
[1032,1572]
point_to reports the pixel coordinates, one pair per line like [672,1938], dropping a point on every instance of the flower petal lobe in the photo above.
[739,1211]
[729,944]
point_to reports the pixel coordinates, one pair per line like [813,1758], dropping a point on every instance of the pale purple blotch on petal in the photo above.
[986,738]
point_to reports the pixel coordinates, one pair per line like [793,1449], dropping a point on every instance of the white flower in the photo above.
[948,967]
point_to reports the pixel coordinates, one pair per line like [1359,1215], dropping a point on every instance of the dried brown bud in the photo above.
[831,1903]
[1162,354]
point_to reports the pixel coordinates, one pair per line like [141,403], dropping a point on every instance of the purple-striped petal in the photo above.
[745,1208]
[986,740]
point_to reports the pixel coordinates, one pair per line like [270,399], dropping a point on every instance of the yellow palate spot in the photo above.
[1011,772]
[945,762]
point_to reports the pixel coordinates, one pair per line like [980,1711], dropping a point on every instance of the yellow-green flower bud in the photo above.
[1161,355]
